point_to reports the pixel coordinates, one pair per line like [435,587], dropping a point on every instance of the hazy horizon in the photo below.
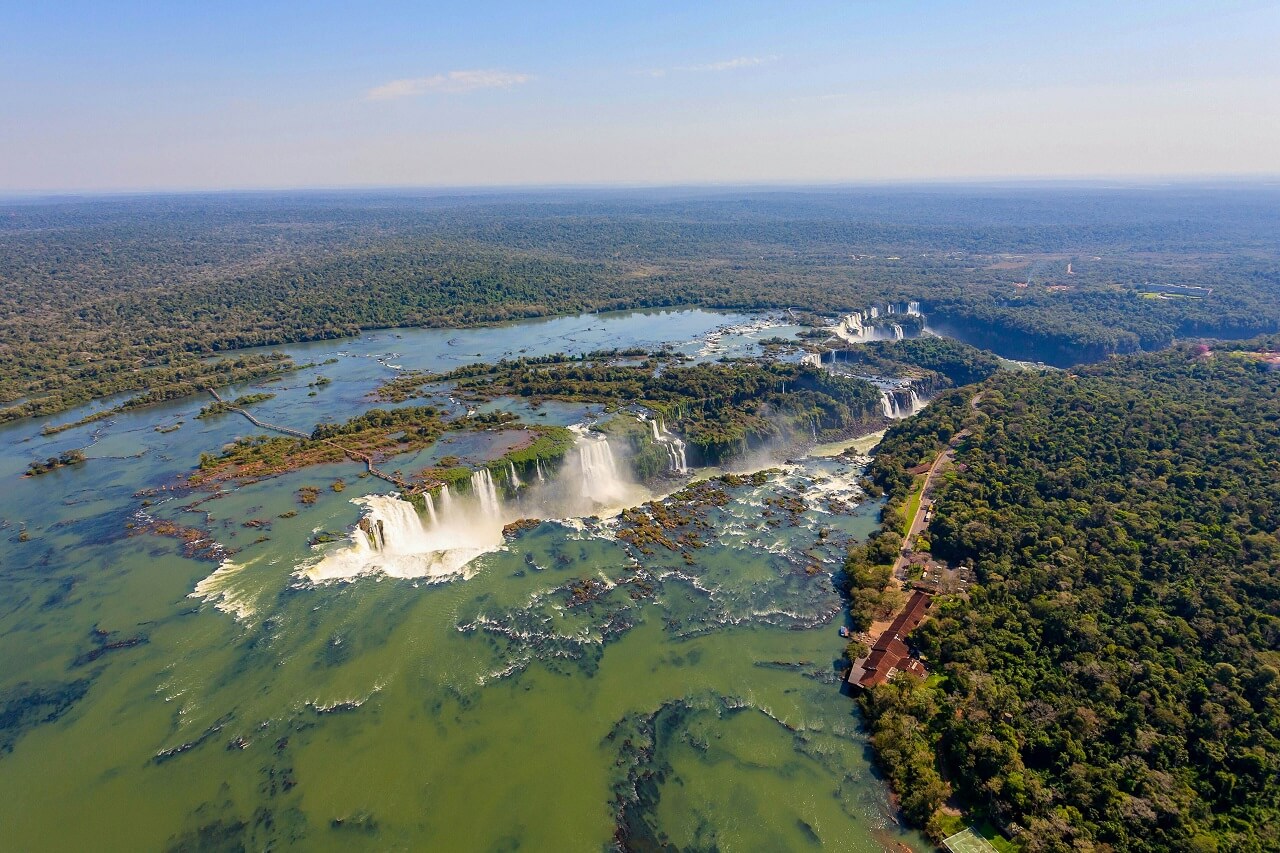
[157,98]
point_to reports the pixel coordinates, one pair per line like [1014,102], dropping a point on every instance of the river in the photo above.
[556,693]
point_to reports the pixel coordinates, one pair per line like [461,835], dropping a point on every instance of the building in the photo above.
[890,655]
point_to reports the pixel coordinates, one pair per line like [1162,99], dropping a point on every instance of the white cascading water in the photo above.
[812,359]
[875,312]
[677,461]
[913,308]
[850,327]
[599,472]
[541,479]
[891,408]
[431,509]
[676,451]
[392,539]
[897,332]
[512,477]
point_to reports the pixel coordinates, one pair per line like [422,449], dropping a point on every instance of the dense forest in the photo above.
[721,409]
[935,363]
[1113,680]
[103,296]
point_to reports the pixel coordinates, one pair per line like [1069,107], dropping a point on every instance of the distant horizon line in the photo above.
[1263,179]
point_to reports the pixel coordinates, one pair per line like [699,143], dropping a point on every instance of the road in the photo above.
[917,521]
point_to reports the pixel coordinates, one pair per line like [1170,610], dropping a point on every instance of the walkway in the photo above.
[355,455]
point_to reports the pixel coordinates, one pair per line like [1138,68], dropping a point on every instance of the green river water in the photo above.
[485,712]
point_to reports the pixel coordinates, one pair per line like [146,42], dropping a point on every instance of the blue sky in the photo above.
[121,95]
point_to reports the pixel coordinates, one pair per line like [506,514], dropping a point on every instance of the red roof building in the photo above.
[890,655]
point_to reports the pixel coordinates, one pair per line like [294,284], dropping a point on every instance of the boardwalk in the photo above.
[354,455]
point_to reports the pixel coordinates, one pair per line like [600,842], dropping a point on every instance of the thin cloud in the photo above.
[716,67]
[731,64]
[449,83]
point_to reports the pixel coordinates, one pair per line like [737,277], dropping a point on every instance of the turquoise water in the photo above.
[687,703]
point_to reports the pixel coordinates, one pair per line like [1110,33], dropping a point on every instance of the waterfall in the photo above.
[602,485]
[897,332]
[392,539]
[913,308]
[675,453]
[482,487]
[676,458]
[812,359]
[899,402]
[889,308]
[875,312]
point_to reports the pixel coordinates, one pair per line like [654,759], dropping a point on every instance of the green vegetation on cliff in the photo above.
[937,362]
[721,409]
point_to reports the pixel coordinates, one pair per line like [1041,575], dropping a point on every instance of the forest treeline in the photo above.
[102,294]
[1112,682]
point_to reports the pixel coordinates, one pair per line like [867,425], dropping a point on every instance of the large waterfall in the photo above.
[599,471]
[899,403]
[679,463]
[393,539]
[482,487]
[855,327]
